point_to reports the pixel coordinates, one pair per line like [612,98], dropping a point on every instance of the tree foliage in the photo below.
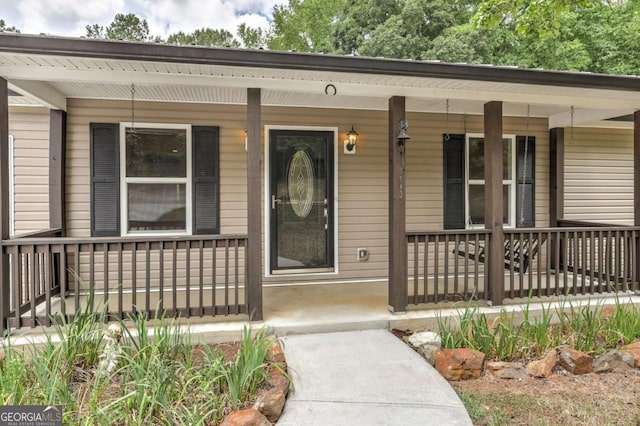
[5,29]
[582,35]
[304,25]
[205,37]
[127,27]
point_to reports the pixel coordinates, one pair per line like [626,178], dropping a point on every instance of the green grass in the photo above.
[514,335]
[161,377]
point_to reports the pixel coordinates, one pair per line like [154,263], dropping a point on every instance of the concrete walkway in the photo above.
[365,378]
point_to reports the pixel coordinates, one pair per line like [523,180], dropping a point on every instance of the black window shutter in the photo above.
[105,179]
[454,181]
[205,182]
[525,146]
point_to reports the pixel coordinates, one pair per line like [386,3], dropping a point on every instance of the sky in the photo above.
[69,17]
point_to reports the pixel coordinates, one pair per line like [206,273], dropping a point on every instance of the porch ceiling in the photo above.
[50,78]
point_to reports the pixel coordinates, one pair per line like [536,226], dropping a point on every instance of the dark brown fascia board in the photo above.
[107,49]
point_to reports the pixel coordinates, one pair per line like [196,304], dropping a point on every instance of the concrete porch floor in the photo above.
[304,309]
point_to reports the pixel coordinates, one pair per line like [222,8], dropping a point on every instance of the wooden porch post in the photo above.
[254,225]
[5,289]
[556,188]
[397,201]
[493,205]
[636,193]
[57,152]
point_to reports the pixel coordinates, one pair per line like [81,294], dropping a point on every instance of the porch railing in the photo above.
[177,276]
[450,265]
[437,270]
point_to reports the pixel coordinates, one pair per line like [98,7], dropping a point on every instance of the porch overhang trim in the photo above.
[65,46]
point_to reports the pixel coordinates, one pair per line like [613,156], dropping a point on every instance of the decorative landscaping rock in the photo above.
[270,403]
[633,349]
[575,362]
[459,364]
[428,352]
[276,354]
[507,370]
[277,379]
[543,367]
[250,417]
[425,338]
[614,361]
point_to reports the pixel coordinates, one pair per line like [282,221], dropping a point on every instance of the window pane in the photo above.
[506,204]
[157,206]
[156,152]
[476,204]
[506,159]
[476,158]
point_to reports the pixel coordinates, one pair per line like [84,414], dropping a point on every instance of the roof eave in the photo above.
[154,52]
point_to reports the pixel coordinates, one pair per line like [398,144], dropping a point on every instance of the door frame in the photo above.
[267,205]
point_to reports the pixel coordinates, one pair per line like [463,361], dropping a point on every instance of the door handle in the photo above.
[326,218]
[274,200]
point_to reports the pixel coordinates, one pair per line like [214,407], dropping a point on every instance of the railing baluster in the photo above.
[134,278]
[226,277]
[618,275]
[174,280]
[476,290]
[456,271]
[120,282]
[445,295]
[236,275]
[466,268]
[201,278]
[188,278]
[415,269]
[436,256]
[592,257]
[33,284]
[48,257]
[105,269]
[160,305]
[214,274]
[425,283]
[147,279]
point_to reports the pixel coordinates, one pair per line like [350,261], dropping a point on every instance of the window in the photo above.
[156,179]
[463,181]
[156,184]
[475,180]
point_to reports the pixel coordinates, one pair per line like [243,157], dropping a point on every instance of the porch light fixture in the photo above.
[403,136]
[350,143]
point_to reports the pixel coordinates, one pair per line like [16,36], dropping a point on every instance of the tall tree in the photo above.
[205,37]
[528,16]
[304,25]
[253,38]
[5,29]
[410,32]
[124,27]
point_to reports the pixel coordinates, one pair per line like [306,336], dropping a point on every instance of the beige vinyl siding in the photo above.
[362,192]
[599,175]
[30,129]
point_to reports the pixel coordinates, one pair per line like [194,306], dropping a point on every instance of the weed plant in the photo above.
[516,335]
[161,379]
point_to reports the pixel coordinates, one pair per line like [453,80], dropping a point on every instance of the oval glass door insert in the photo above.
[300,179]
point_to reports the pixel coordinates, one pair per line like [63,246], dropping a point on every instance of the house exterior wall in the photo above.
[599,175]
[362,189]
[30,129]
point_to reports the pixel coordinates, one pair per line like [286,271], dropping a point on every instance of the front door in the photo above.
[301,201]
